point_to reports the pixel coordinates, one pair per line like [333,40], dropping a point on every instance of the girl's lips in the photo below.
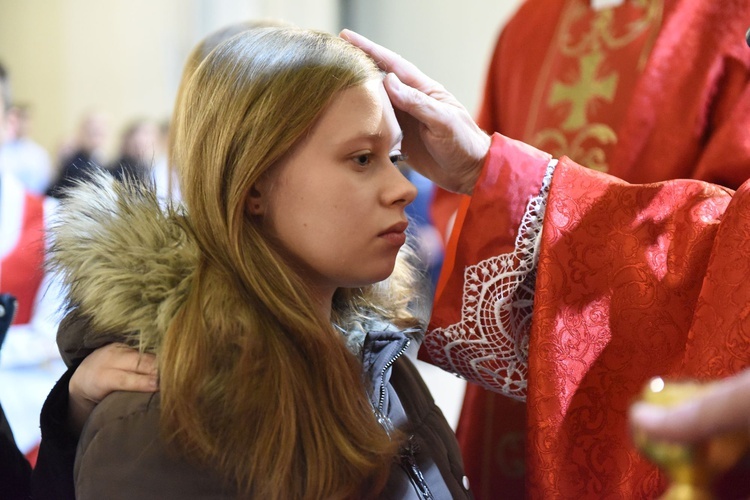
[398,227]
[394,238]
[396,234]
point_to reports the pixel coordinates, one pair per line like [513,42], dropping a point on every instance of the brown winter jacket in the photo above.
[120,453]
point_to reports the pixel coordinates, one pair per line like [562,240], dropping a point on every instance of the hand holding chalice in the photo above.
[694,431]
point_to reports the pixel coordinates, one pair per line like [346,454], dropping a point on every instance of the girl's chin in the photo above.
[371,279]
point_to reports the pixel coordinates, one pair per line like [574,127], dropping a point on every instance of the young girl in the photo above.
[267,299]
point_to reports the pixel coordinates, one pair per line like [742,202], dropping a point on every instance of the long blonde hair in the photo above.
[253,381]
[199,53]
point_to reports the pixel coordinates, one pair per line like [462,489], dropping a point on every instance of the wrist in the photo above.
[474,172]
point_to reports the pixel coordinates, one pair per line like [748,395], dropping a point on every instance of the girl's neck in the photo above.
[323,302]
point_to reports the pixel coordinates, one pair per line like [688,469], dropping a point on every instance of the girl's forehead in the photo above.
[360,111]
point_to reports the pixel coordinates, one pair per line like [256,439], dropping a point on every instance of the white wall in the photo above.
[450,40]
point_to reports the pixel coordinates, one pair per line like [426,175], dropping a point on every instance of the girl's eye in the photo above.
[363,160]
[396,159]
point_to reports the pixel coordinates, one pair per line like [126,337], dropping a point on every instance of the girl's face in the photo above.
[336,202]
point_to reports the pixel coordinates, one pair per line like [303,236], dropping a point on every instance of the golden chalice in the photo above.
[691,467]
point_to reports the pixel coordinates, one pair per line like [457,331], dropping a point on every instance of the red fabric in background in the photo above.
[32,455]
[23,268]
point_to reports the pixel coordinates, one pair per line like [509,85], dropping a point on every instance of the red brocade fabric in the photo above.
[646,91]
[633,281]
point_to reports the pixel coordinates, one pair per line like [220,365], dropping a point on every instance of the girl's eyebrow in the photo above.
[371,137]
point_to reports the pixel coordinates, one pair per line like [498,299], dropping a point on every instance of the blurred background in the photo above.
[119,61]
[124,57]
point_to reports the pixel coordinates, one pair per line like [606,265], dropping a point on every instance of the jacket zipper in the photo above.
[407,462]
[401,351]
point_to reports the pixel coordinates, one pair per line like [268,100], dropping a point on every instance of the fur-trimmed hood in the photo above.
[129,261]
[126,258]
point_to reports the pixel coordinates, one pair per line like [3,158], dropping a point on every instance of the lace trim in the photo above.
[490,345]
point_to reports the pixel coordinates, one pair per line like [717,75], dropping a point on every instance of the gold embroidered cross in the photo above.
[586,89]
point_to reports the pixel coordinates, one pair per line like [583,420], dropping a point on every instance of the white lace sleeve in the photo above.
[490,345]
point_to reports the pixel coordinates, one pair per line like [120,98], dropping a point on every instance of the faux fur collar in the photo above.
[126,258]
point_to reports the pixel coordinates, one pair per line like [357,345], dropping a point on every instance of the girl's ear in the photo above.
[255,201]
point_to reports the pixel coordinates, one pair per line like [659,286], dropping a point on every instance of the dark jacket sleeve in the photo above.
[15,470]
[52,477]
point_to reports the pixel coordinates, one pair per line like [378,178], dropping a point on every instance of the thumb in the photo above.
[410,100]
[722,408]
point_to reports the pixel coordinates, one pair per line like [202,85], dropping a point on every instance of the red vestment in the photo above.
[21,270]
[645,91]
[632,281]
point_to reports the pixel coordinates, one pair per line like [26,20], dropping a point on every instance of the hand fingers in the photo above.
[96,388]
[671,424]
[131,381]
[725,407]
[114,367]
[422,107]
[123,357]
[391,62]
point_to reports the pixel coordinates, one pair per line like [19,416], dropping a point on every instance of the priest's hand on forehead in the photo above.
[441,139]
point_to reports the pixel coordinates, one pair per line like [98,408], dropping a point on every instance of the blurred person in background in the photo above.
[29,359]
[25,159]
[86,152]
[164,178]
[137,151]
